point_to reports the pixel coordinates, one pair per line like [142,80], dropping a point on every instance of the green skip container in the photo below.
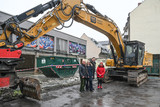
[57,67]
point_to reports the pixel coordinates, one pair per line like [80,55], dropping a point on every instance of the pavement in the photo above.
[113,94]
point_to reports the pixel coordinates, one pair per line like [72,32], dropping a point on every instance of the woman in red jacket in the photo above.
[100,74]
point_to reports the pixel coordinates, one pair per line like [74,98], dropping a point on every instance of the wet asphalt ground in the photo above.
[113,94]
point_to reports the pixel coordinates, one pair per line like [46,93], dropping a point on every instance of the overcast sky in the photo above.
[115,9]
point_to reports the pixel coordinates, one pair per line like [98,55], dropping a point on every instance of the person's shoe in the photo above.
[101,87]
[81,91]
[91,90]
[98,87]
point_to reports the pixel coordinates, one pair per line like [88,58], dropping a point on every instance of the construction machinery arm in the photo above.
[63,11]
[104,25]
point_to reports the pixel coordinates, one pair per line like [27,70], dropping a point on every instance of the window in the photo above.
[140,55]
[130,50]
[32,44]
[61,45]
[130,58]
[73,47]
[46,42]
[77,48]
[82,49]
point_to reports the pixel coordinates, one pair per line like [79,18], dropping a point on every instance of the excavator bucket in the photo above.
[30,87]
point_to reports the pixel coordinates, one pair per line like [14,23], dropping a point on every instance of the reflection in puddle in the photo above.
[100,102]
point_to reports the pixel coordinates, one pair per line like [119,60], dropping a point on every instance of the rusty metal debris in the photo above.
[30,87]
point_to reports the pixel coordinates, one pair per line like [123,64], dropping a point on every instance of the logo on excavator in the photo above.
[93,19]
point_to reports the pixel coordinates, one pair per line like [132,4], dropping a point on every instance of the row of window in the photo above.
[47,42]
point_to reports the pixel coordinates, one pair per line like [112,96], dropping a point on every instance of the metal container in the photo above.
[148,68]
[155,69]
[57,67]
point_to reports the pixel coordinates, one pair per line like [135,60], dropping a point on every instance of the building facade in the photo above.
[54,43]
[143,25]
[96,49]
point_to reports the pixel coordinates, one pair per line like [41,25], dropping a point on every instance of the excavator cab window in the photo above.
[134,53]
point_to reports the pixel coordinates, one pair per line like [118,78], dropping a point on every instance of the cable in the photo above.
[69,25]
[5,29]
[59,28]
[62,24]
[61,18]
[63,10]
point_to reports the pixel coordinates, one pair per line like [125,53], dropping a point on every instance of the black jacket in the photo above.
[94,65]
[83,71]
[90,72]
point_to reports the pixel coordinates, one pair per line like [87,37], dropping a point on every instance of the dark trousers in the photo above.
[99,81]
[83,82]
[89,85]
[93,74]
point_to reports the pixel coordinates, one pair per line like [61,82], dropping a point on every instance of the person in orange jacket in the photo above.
[100,74]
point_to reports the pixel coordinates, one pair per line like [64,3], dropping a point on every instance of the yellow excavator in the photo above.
[128,60]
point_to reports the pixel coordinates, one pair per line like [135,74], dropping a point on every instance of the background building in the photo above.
[143,25]
[54,43]
[96,49]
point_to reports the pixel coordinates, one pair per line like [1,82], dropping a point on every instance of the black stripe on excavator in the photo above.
[35,11]
[120,45]
[92,9]
[113,55]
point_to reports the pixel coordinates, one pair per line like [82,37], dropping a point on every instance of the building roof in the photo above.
[104,42]
[102,45]
[138,5]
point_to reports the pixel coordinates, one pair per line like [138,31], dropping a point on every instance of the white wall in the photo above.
[91,50]
[145,25]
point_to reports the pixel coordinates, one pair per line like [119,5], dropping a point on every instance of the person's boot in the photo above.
[101,87]
[98,87]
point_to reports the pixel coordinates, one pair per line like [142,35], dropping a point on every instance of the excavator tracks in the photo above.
[134,77]
[137,78]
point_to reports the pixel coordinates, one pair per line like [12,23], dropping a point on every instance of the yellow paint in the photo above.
[2,44]
[148,59]
[104,26]
[30,12]
[10,46]
[110,62]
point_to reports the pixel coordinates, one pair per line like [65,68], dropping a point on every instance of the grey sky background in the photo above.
[115,9]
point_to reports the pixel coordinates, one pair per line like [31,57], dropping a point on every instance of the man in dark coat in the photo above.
[89,84]
[94,65]
[83,75]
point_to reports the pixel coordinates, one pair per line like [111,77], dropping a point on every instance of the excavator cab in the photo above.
[134,53]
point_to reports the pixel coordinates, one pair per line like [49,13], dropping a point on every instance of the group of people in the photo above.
[87,74]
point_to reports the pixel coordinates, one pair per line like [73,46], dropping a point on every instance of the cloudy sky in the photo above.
[115,9]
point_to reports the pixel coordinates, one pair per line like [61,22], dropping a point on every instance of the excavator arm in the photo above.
[63,11]
[102,24]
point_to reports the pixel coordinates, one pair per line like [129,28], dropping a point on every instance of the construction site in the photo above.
[72,53]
